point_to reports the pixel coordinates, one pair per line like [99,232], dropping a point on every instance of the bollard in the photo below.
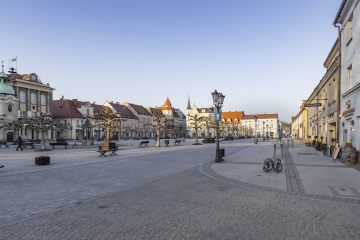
[255,140]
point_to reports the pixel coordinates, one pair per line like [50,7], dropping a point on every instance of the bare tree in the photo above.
[195,123]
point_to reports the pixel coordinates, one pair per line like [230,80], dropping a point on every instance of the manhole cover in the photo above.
[308,154]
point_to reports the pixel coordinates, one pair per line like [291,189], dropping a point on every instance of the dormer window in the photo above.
[33,77]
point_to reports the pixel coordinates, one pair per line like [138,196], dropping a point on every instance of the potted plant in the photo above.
[308,141]
[321,138]
[42,160]
[324,148]
[348,144]
[333,140]
[314,141]
[318,146]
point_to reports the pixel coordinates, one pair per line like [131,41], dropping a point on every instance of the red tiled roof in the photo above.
[156,111]
[65,108]
[232,116]
[139,109]
[261,116]
[15,76]
[123,110]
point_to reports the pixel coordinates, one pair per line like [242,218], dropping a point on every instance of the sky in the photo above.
[264,56]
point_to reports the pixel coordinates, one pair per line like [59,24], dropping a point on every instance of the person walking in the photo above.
[19,141]
[74,144]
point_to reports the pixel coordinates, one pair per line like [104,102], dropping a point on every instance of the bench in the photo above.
[102,152]
[24,144]
[145,143]
[177,142]
[59,144]
[4,143]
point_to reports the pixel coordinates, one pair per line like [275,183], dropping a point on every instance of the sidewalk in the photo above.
[306,172]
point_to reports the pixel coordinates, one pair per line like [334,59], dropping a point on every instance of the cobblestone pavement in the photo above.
[157,193]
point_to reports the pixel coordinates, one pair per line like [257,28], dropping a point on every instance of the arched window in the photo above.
[43,100]
[229,120]
[33,98]
[22,96]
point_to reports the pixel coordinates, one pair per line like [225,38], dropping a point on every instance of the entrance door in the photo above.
[32,134]
[10,137]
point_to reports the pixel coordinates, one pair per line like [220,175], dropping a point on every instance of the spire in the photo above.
[2,65]
[188,106]
[167,102]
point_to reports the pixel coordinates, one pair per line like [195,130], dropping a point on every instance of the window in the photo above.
[349,29]
[43,100]
[10,108]
[77,123]
[349,72]
[22,114]
[87,112]
[22,96]
[33,98]
[65,122]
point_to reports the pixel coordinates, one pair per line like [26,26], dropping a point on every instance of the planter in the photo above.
[209,140]
[42,160]
[229,138]
[348,146]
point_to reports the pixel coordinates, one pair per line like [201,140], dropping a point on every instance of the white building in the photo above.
[349,18]
[266,125]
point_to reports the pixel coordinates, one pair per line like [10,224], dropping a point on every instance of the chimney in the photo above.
[111,102]
[117,103]
[74,101]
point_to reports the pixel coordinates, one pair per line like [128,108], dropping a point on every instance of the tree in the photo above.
[195,123]
[209,123]
[14,126]
[42,124]
[159,124]
[108,118]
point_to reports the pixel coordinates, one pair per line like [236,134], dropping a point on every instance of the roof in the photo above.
[166,106]
[339,12]
[260,116]
[139,109]
[65,108]
[155,111]
[100,109]
[123,110]
[330,56]
[232,115]
[15,76]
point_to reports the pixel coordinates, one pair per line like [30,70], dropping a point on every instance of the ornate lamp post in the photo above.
[218,100]
[255,119]
[264,130]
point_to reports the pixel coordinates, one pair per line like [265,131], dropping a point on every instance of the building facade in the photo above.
[349,16]
[266,125]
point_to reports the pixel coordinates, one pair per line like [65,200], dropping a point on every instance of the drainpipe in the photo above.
[338,90]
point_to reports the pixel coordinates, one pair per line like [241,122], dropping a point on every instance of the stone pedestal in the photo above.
[349,156]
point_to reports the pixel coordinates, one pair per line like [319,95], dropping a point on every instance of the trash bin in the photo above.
[221,152]
[166,143]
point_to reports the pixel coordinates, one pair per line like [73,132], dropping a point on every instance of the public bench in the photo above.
[144,143]
[59,144]
[4,143]
[24,144]
[102,152]
[177,142]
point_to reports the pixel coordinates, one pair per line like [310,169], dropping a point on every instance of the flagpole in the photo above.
[9,64]
[16,63]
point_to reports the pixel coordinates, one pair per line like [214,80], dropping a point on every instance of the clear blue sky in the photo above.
[265,56]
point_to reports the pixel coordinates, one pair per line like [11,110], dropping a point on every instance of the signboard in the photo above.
[255,125]
[217,116]
[312,105]
[336,153]
[263,127]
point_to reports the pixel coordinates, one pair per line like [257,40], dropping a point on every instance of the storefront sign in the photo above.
[312,105]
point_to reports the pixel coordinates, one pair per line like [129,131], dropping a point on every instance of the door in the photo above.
[10,137]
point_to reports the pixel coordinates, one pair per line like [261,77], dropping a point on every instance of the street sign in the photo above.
[255,125]
[312,105]
[263,127]
[217,116]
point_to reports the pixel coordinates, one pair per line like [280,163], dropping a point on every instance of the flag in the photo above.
[13,59]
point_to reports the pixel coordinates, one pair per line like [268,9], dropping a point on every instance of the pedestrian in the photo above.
[183,139]
[74,144]
[19,141]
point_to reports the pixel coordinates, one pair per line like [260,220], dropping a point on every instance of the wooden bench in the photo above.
[24,144]
[102,152]
[4,143]
[145,143]
[59,144]
[177,142]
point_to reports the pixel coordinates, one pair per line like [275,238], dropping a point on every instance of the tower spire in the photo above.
[2,66]
[188,106]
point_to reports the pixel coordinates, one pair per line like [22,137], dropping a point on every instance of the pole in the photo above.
[217,160]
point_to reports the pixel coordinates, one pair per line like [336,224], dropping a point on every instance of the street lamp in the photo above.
[218,100]
[255,119]
[264,130]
